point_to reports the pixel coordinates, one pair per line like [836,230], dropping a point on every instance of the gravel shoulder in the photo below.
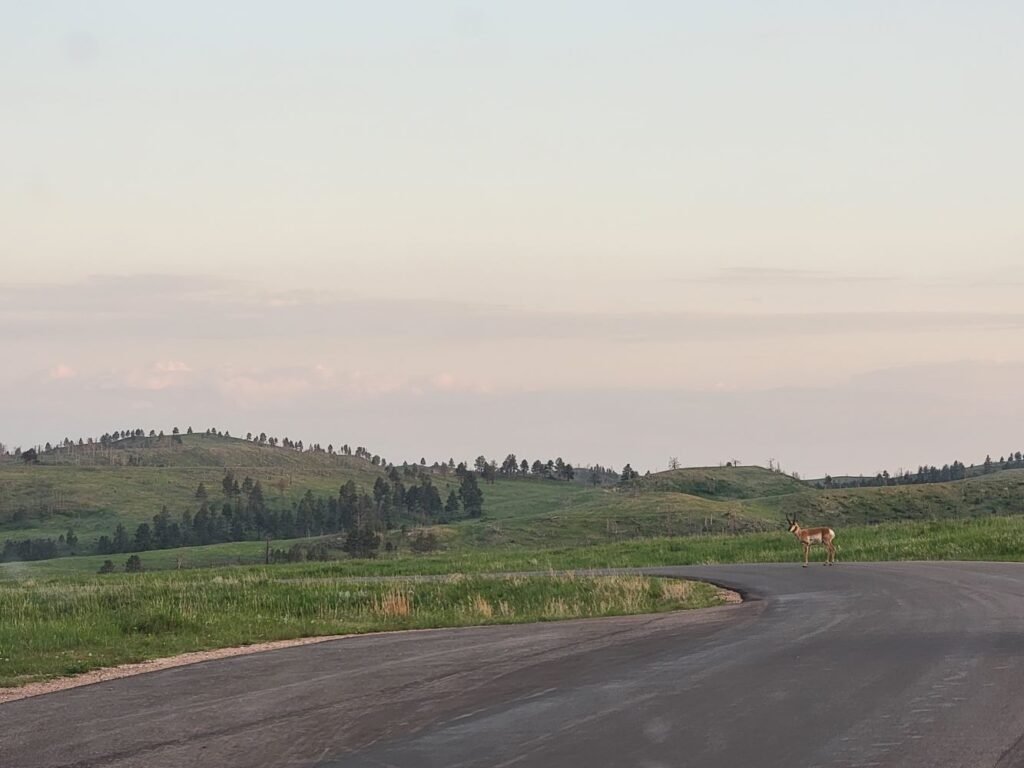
[153,665]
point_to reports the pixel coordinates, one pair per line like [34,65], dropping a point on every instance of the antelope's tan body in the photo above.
[812,536]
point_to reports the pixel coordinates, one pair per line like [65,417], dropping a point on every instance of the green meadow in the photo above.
[61,627]
[60,616]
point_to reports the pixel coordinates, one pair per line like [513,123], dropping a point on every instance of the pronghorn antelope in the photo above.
[809,536]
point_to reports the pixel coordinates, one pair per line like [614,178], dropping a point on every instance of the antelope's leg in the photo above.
[807,553]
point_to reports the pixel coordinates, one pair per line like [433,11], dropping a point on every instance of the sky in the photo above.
[614,232]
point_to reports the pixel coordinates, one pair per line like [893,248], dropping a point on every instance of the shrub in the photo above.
[424,542]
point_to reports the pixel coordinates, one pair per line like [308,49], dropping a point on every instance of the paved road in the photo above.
[901,664]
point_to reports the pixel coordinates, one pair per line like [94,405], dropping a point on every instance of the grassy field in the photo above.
[60,619]
[725,482]
[210,556]
[67,626]
[991,538]
[527,514]
[92,497]
[594,516]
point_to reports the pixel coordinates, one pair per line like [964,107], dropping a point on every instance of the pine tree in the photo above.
[362,542]
[161,529]
[471,496]
[143,537]
[121,542]
[451,506]
[628,475]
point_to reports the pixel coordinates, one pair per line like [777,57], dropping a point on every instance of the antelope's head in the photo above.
[793,525]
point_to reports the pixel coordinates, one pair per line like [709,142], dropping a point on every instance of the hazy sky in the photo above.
[608,231]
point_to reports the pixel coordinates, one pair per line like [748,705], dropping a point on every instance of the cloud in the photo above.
[250,390]
[783,276]
[150,307]
[61,372]
[448,382]
[258,387]
[963,380]
[154,377]
[171,366]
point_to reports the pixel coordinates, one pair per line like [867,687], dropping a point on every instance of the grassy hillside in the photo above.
[92,489]
[603,515]
[999,493]
[654,510]
[728,500]
[986,538]
[196,450]
[725,482]
[209,556]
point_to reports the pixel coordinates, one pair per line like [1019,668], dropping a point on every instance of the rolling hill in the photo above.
[725,482]
[93,490]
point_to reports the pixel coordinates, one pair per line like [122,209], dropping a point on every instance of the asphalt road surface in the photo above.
[896,664]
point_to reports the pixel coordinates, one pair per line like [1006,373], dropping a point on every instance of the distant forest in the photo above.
[927,474]
[116,448]
[402,495]
[238,509]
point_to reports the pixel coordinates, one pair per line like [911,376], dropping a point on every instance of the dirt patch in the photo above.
[727,596]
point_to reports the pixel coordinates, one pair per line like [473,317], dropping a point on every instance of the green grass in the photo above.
[507,499]
[67,626]
[527,514]
[606,515]
[210,556]
[992,538]
[92,497]
[46,499]
[609,515]
[58,619]
[725,482]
